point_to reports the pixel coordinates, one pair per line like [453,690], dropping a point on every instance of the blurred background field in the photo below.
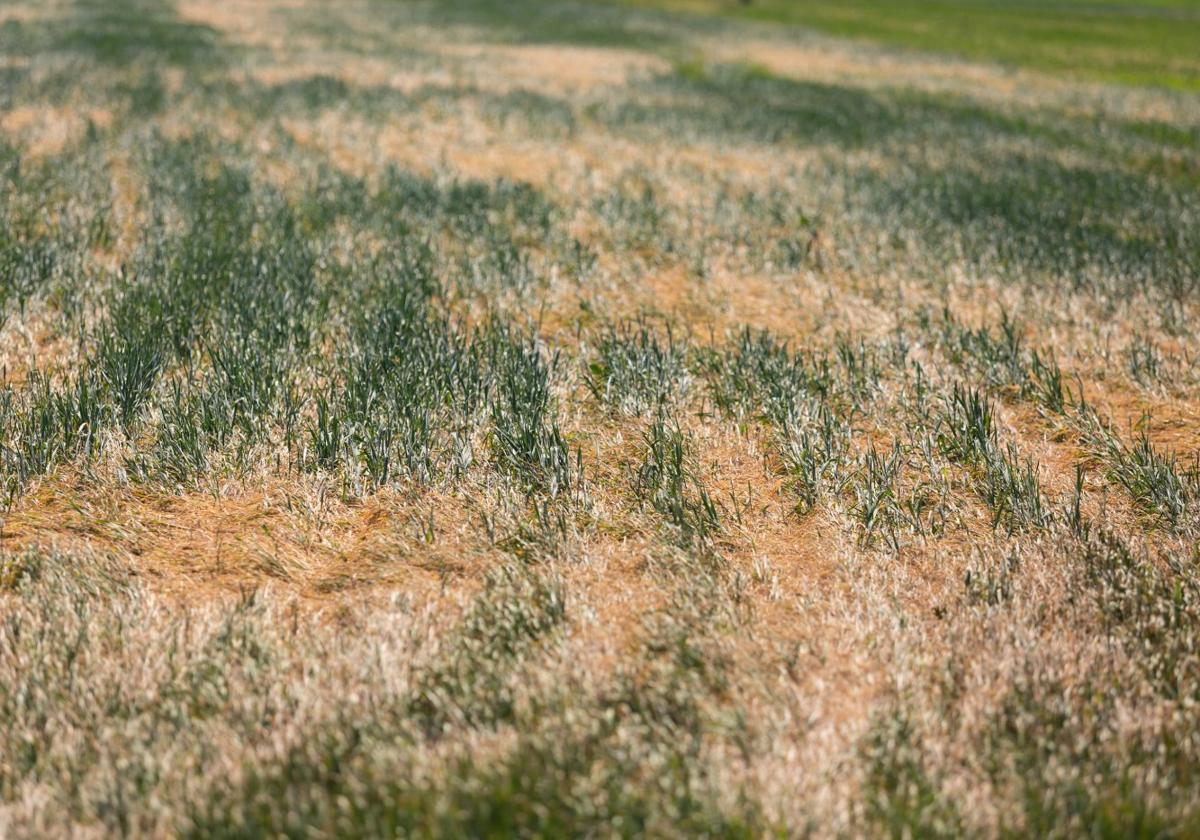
[1110,40]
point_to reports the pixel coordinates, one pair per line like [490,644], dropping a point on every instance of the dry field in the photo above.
[463,419]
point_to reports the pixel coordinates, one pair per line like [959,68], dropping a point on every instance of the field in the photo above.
[604,419]
[1138,41]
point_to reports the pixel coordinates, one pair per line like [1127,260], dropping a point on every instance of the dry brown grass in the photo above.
[813,632]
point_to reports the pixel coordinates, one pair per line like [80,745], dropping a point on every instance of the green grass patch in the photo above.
[1141,43]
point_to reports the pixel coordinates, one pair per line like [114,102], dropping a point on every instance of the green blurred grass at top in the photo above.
[1141,43]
